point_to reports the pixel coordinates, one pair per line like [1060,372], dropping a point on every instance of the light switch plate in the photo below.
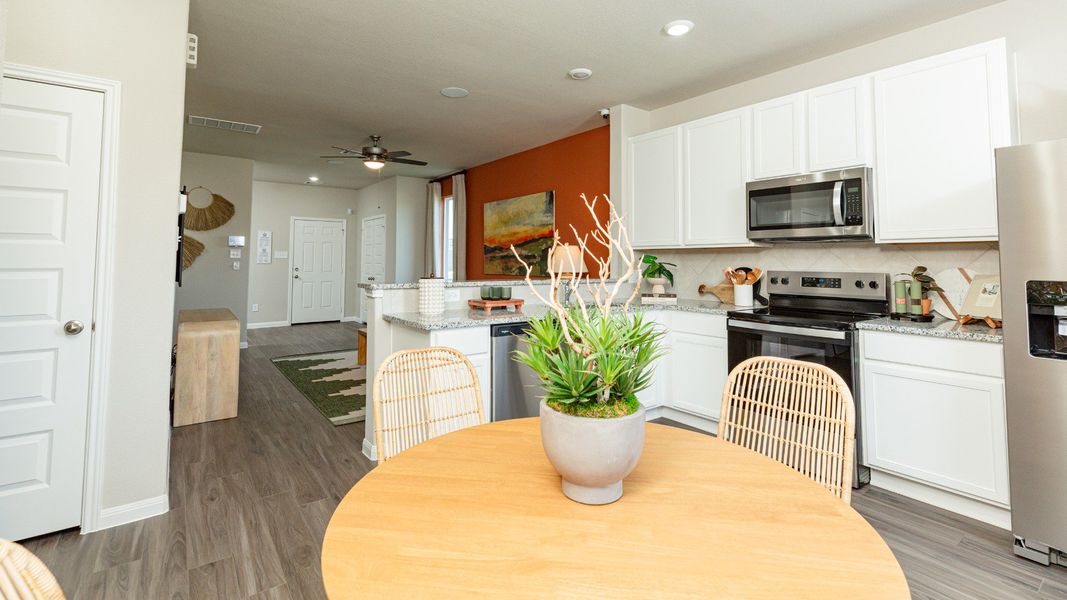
[236,265]
[235,254]
[255,308]
[451,295]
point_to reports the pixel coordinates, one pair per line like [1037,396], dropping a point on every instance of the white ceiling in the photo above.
[316,73]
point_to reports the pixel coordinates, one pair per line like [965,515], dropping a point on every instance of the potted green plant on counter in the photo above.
[593,357]
[657,274]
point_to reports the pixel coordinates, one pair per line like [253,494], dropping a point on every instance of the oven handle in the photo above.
[839,203]
[800,331]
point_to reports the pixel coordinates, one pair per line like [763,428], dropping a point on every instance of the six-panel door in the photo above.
[50,147]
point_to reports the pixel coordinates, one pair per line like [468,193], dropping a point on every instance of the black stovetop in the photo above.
[817,319]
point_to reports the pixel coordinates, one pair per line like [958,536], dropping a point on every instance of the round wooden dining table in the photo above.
[479,512]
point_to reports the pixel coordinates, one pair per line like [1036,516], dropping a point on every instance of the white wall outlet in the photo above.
[255,308]
[236,265]
[235,254]
[451,295]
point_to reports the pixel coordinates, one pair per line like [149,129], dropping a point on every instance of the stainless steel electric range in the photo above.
[812,316]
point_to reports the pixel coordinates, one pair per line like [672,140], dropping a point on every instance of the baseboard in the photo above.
[687,418]
[134,511]
[351,319]
[369,450]
[267,324]
[968,507]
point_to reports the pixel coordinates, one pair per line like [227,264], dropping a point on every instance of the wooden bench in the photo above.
[207,365]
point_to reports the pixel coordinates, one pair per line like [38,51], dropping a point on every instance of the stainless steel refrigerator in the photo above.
[1032,208]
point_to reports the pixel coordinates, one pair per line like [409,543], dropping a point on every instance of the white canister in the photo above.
[431,296]
[743,295]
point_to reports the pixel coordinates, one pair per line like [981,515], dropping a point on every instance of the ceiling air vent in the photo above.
[223,124]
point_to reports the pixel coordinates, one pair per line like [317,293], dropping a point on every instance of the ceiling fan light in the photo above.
[374,164]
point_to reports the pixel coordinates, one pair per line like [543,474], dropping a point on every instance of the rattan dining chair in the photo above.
[421,394]
[24,577]
[798,413]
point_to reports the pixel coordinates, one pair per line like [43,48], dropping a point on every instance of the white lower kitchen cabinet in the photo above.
[693,372]
[935,415]
[473,342]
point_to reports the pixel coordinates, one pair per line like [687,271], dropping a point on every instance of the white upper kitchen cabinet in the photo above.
[717,165]
[839,125]
[655,187]
[778,133]
[937,121]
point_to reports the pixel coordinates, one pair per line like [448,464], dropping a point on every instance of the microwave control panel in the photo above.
[853,202]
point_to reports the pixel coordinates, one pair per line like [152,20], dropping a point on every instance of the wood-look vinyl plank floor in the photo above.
[251,498]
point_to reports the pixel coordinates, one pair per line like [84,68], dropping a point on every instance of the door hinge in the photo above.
[92,326]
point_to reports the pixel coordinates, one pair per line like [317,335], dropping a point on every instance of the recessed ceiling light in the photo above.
[580,73]
[678,28]
[454,92]
[313,178]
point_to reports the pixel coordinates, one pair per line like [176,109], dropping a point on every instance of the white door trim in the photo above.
[344,270]
[92,490]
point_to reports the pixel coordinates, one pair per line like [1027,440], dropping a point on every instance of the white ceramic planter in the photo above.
[659,285]
[431,296]
[592,456]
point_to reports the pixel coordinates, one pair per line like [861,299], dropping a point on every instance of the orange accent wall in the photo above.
[574,165]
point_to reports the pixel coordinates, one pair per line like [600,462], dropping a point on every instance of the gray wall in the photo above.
[211,282]
[142,45]
[273,206]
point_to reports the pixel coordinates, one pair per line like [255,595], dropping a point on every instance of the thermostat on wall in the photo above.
[237,241]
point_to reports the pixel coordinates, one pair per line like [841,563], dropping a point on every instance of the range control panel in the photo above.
[838,284]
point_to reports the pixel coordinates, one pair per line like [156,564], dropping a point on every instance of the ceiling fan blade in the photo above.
[344,156]
[399,153]
[345,150]
[406,161]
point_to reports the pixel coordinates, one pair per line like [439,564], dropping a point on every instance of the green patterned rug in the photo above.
[332,381]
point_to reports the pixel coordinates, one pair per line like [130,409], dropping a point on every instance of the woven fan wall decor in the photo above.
[191,248]
[211,216]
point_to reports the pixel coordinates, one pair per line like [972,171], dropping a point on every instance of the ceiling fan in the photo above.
[375,156]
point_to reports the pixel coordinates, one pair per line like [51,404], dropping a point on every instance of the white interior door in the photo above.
[318,254]
[50,143]
[372,268]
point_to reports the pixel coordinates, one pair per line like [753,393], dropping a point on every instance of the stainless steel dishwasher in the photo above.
[516,388]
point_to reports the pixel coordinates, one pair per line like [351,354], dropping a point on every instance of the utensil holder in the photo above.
[743,295]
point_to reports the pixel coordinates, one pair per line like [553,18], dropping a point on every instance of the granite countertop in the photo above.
[459,318]
[414,285]
[939,327]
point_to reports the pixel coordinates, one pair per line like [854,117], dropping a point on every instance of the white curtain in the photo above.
[459,203]
[432,254]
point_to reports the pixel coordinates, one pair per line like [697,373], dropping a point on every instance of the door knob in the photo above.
[296,277]
[73,327]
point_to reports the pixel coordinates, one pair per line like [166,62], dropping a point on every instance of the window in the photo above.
[448,239]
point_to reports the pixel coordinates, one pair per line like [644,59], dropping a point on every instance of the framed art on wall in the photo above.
[526,222]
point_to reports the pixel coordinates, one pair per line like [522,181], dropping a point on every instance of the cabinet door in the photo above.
[937,122]
[481,364]
[778,126]
[717,165]
[698,373]
[940,427]
[839,118]
[657,393]
[655,189]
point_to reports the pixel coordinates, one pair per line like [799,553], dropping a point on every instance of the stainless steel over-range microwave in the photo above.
[830,205]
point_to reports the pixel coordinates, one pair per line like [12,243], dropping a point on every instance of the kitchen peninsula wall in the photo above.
[697,266]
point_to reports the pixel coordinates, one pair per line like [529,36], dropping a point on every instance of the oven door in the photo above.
[819,206]
[831,348]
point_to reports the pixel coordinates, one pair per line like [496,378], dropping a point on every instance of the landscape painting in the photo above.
[526,222]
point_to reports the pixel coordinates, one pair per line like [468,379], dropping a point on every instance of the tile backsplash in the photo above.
[697,266]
